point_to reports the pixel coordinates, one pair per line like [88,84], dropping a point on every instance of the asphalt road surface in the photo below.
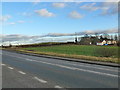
[24,71]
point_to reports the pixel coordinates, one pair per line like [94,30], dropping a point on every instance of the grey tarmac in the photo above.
[24,71]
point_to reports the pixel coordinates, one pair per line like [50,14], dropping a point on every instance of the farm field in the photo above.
[99,51]
[84,52]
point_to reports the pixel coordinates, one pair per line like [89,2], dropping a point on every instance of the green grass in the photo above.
[84,52]
[98,51]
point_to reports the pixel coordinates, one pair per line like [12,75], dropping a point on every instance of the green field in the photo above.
[98,51]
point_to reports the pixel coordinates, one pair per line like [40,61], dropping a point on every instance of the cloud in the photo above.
[4,18]
[89,7]
[44,13]
[50,37]
[109,8]
[59,34]
[75,15]
[112,1]
[17,39]
[59,5]
[111,30]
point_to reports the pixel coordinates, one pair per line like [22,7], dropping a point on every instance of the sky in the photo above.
[21,21]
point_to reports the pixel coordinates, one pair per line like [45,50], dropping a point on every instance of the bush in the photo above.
[106,52]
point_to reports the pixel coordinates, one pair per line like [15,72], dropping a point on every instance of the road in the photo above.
[24,71]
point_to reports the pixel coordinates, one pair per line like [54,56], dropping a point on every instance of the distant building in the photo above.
[109,42]
[97,41]
[100,43]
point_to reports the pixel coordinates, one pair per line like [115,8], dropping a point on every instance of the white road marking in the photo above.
[57,86]
[28,59]
[40,80]
[10,68]
[90,71]
[21,72]
[72,68]
[94,67]
[3,64]
[116,70]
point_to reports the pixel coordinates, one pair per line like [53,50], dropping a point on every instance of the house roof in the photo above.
[99,42]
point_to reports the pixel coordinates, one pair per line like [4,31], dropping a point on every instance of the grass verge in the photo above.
[66,55]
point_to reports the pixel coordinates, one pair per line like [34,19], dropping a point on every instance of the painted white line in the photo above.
[21,72]
[100,73]
[3,64]
[10,68]
[94,67]
[40,80]
[29,59]
[57,86]
[73,68]
[116,70]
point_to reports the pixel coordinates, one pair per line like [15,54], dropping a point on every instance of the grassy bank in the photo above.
[97,53]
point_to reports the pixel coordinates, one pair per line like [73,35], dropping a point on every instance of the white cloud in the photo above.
[89,31]
[59,5]
[44,13]
[75,14]
[4,18]
[60,34]
[90,7]
[111,30]
[109,8]
[50,37]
